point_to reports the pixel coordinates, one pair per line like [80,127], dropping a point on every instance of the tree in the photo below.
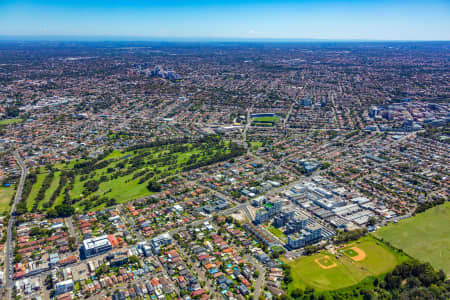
[64,210]
[133,259]
[91,186]
[352,235]
[367,294]
[101,270]
[21,208]
[311,249]
[441,275]
[72,245]
[111,202]
[325,165]
[413,282]
[372,221]
[287,278]
[17,258]
[35,231]
[154,186]
[297,293]
[52,213]
[12,111]
[392,281]
[48,282]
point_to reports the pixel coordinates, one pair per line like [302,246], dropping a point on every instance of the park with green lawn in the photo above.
[348,266]
[254,145]
[424,236]
[6,194]
[120,176]
[10,121]
[277,232]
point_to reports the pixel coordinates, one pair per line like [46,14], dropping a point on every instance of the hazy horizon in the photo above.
[112,38]
[228,20]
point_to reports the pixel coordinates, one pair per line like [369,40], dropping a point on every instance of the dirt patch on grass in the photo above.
[324,265]
[360,256]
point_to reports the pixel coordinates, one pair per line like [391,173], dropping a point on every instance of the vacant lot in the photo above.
[425,236]
[326,271]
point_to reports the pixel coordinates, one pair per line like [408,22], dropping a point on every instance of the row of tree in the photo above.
[427,205]
[45,185]
[219,157]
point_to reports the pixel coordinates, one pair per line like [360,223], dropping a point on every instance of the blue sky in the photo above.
[312,19]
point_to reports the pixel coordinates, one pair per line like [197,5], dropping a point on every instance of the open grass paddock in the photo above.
[425,236]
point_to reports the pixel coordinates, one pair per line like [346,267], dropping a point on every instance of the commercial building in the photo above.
[329,203]
[310,235]
[269,210]
[296,223]
[306,101]
[309,166]
[160,240]
[64,287]
[96,246]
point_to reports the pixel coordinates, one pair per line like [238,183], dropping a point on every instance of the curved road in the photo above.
[9,252]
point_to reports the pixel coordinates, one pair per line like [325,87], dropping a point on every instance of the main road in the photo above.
[244,133]
[9,252]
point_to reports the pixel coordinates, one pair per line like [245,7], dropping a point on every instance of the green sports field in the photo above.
[6,194]
[343,271]
[266,119]
[425,236]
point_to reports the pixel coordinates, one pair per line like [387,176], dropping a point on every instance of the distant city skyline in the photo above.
[222,20]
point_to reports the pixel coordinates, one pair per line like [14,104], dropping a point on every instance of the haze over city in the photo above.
[267,19]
